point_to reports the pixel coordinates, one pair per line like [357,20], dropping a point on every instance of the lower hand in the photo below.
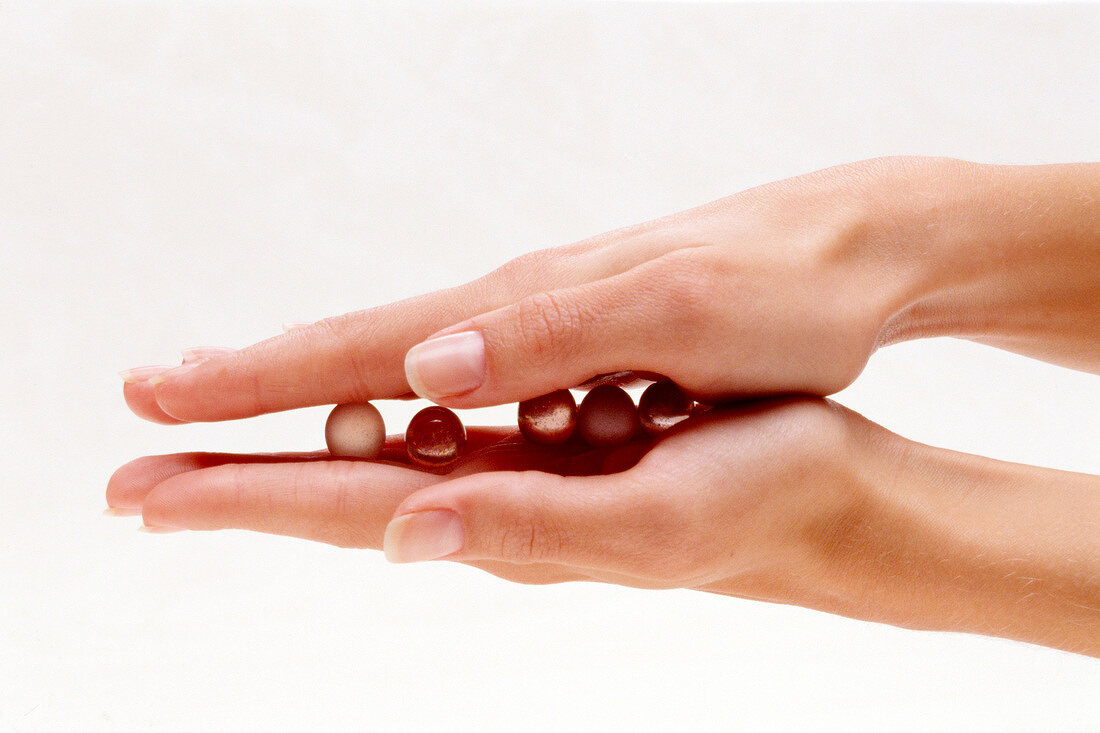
[793,500]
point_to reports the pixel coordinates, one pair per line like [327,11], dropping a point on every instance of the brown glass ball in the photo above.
[662,405]
[549,419]
[607,417]
[435,436]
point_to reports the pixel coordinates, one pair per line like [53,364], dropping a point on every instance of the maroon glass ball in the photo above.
[607,417]
[662,405]
[549,419]
[435,436]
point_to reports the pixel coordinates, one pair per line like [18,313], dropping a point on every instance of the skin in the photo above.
[786,289]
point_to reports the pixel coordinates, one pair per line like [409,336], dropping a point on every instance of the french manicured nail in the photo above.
[205,352]
[427,535]
[173,373]
[153,529]
[294,325]
[121,511]
[140,374]
[446,366]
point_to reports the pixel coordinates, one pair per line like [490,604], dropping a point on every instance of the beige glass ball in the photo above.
[355,430]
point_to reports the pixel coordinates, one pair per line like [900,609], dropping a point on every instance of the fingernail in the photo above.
[205,352]
[294,325]
[423,536]
[153,529]
[446,366]
[120,511]
[173,373]
[140,374]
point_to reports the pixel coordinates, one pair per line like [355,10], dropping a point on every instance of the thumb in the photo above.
[521,517]
[553,340]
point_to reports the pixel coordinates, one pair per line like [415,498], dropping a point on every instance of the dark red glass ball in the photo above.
[434,437]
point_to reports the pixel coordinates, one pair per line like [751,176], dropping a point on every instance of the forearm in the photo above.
[934,539]
[1004,255]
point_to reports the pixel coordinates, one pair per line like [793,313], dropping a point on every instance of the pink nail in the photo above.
[446,366]
[173,373]
[140,374]
[198,353]
[427,535]
[121,511]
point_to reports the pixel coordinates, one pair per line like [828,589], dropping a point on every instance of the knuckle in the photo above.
[525,533]
[349,334]
[526,540]
[546,324]
[234,478]
[686,285]
[334,507]
[519,277]
[693,282]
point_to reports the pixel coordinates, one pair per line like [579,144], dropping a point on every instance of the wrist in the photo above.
[1003,254]
[937,540]
[920,240]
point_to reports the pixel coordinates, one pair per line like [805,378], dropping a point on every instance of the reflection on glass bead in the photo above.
[662,405]
[435,436]
[549,419]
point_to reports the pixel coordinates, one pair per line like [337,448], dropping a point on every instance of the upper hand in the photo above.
[773,290]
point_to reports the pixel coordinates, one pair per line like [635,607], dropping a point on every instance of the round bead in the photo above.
[662,405]
[355,431]
[435,436]
[549,419]
[607,417]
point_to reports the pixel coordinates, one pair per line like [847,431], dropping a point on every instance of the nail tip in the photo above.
[196,353]
[119,511]
[141,374]
[152,529]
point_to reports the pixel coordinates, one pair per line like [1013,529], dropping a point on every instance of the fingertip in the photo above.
[170,503]
[175,391]
[131,482]
[140,397]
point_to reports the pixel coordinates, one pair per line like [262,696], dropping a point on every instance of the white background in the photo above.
[174,176]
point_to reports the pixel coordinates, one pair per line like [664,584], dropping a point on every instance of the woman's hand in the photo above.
[729,495]
[790,500]
[783,288]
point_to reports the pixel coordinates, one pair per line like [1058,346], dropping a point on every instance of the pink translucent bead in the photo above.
[355,431]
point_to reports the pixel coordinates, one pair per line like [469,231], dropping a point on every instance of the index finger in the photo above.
[350,358]
[359,356]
